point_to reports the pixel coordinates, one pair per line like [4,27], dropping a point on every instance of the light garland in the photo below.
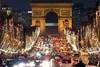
[72,38]
[91,37]
[30,41]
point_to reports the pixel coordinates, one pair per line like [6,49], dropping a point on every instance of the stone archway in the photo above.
[61,10]
[51,17]
[51,20]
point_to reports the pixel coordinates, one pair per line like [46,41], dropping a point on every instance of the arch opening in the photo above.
[51,19]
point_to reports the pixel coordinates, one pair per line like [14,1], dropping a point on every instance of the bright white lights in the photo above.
[21,65]
[29,11]
[45,64]
[31,64]
[38,54]
[15,66]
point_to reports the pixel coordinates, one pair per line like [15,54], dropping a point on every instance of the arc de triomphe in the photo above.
[63,11]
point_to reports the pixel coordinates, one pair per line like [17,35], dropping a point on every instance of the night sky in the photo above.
[25,4]
[19,4]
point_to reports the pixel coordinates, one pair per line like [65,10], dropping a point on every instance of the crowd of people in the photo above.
[94,59]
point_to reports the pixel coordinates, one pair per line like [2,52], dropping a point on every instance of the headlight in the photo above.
[21,65]
[15,66]
[30,64]
[45,64]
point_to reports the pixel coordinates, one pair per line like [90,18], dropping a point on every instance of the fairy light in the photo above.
[91,34]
